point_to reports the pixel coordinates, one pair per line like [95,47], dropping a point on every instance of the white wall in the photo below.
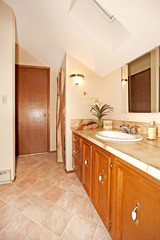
[76,107]
[25,58]
[112,95]
[7,88]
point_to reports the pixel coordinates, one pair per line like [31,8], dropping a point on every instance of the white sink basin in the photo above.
[118,136]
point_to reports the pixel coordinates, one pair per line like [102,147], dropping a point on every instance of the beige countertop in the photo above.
[144,154]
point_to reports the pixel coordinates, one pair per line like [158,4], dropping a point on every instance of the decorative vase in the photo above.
[100,123]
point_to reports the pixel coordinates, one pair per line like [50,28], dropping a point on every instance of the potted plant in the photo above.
[100,111]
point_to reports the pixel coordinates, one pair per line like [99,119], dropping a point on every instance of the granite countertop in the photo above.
[144,154]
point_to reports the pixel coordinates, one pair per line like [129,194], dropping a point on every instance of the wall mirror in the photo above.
[140,83]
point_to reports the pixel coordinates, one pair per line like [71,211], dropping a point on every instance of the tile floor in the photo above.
[45,203]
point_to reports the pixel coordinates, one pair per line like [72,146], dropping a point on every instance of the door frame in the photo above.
[48,97]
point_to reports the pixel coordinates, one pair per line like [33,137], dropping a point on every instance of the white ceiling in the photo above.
[47,29]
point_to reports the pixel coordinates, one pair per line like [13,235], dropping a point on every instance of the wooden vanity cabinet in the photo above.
[126,198]
[76,155]
[102,167]
[137,205]
[87,166]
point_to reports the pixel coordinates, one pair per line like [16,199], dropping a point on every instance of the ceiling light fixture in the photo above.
[77,78]
[105,11]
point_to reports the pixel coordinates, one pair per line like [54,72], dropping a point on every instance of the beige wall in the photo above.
[112,94]
[25,58]
[7,88]
[76,106]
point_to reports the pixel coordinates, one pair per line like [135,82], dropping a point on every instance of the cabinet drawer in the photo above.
[76,140]
[76,164]
[75,151]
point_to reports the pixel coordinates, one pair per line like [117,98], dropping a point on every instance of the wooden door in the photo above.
[139,91]
[32,103]
[136,193]
[87,167]
[101,184]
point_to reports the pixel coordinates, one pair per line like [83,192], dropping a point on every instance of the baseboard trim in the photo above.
[71,171]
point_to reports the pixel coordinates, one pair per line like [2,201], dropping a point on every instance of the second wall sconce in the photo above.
[77,78]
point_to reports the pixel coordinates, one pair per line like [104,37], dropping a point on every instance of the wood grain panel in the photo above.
[102,187]
[132,188]
[32,87]
[87,167]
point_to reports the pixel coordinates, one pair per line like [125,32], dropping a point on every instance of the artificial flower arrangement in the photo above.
[99,110]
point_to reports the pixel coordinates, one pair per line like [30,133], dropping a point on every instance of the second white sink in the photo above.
[118,136]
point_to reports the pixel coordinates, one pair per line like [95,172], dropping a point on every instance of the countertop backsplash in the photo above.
[142,126]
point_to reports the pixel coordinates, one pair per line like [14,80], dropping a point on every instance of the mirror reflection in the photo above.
[140,83]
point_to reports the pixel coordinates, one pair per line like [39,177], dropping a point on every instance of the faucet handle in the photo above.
[125,125]
[134,129]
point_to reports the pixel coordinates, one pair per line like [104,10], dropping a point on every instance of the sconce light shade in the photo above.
[124,80]
[77,78]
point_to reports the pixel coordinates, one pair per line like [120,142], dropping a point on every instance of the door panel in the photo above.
[87,167]
[32,87]
[136,194]
[101,184]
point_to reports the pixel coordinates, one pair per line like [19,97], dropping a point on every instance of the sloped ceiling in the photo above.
[47,29]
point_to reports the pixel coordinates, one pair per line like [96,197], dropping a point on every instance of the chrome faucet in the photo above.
[126,128]
[130,130]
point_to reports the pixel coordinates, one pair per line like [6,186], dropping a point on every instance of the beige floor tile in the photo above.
[72,176]
[40,233]
[10,193]
[24,201]
[101,233]
[53,194]
[77,188]
[39,188]
[7,214]
[63,182]
[37,209]
[3,187]
[27,181]
[79,229]
[70,201]
[87,210]
[56,219]
[18,229]
[2,204]
[46,195]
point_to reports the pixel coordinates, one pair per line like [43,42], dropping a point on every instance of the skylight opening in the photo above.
[105,11]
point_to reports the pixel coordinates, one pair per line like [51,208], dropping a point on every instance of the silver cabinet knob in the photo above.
[86,161]
[134,213]
[75,151]
[74,140]
[100,177]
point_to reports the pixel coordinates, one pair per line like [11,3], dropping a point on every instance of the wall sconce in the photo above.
[124,81]
[77,78]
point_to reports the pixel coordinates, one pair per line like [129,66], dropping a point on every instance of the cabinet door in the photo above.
[138,206]
[101,184]
[87,167]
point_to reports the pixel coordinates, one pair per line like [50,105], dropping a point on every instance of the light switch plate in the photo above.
[4,99]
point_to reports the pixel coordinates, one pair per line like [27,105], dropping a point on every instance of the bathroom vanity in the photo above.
[122,183]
